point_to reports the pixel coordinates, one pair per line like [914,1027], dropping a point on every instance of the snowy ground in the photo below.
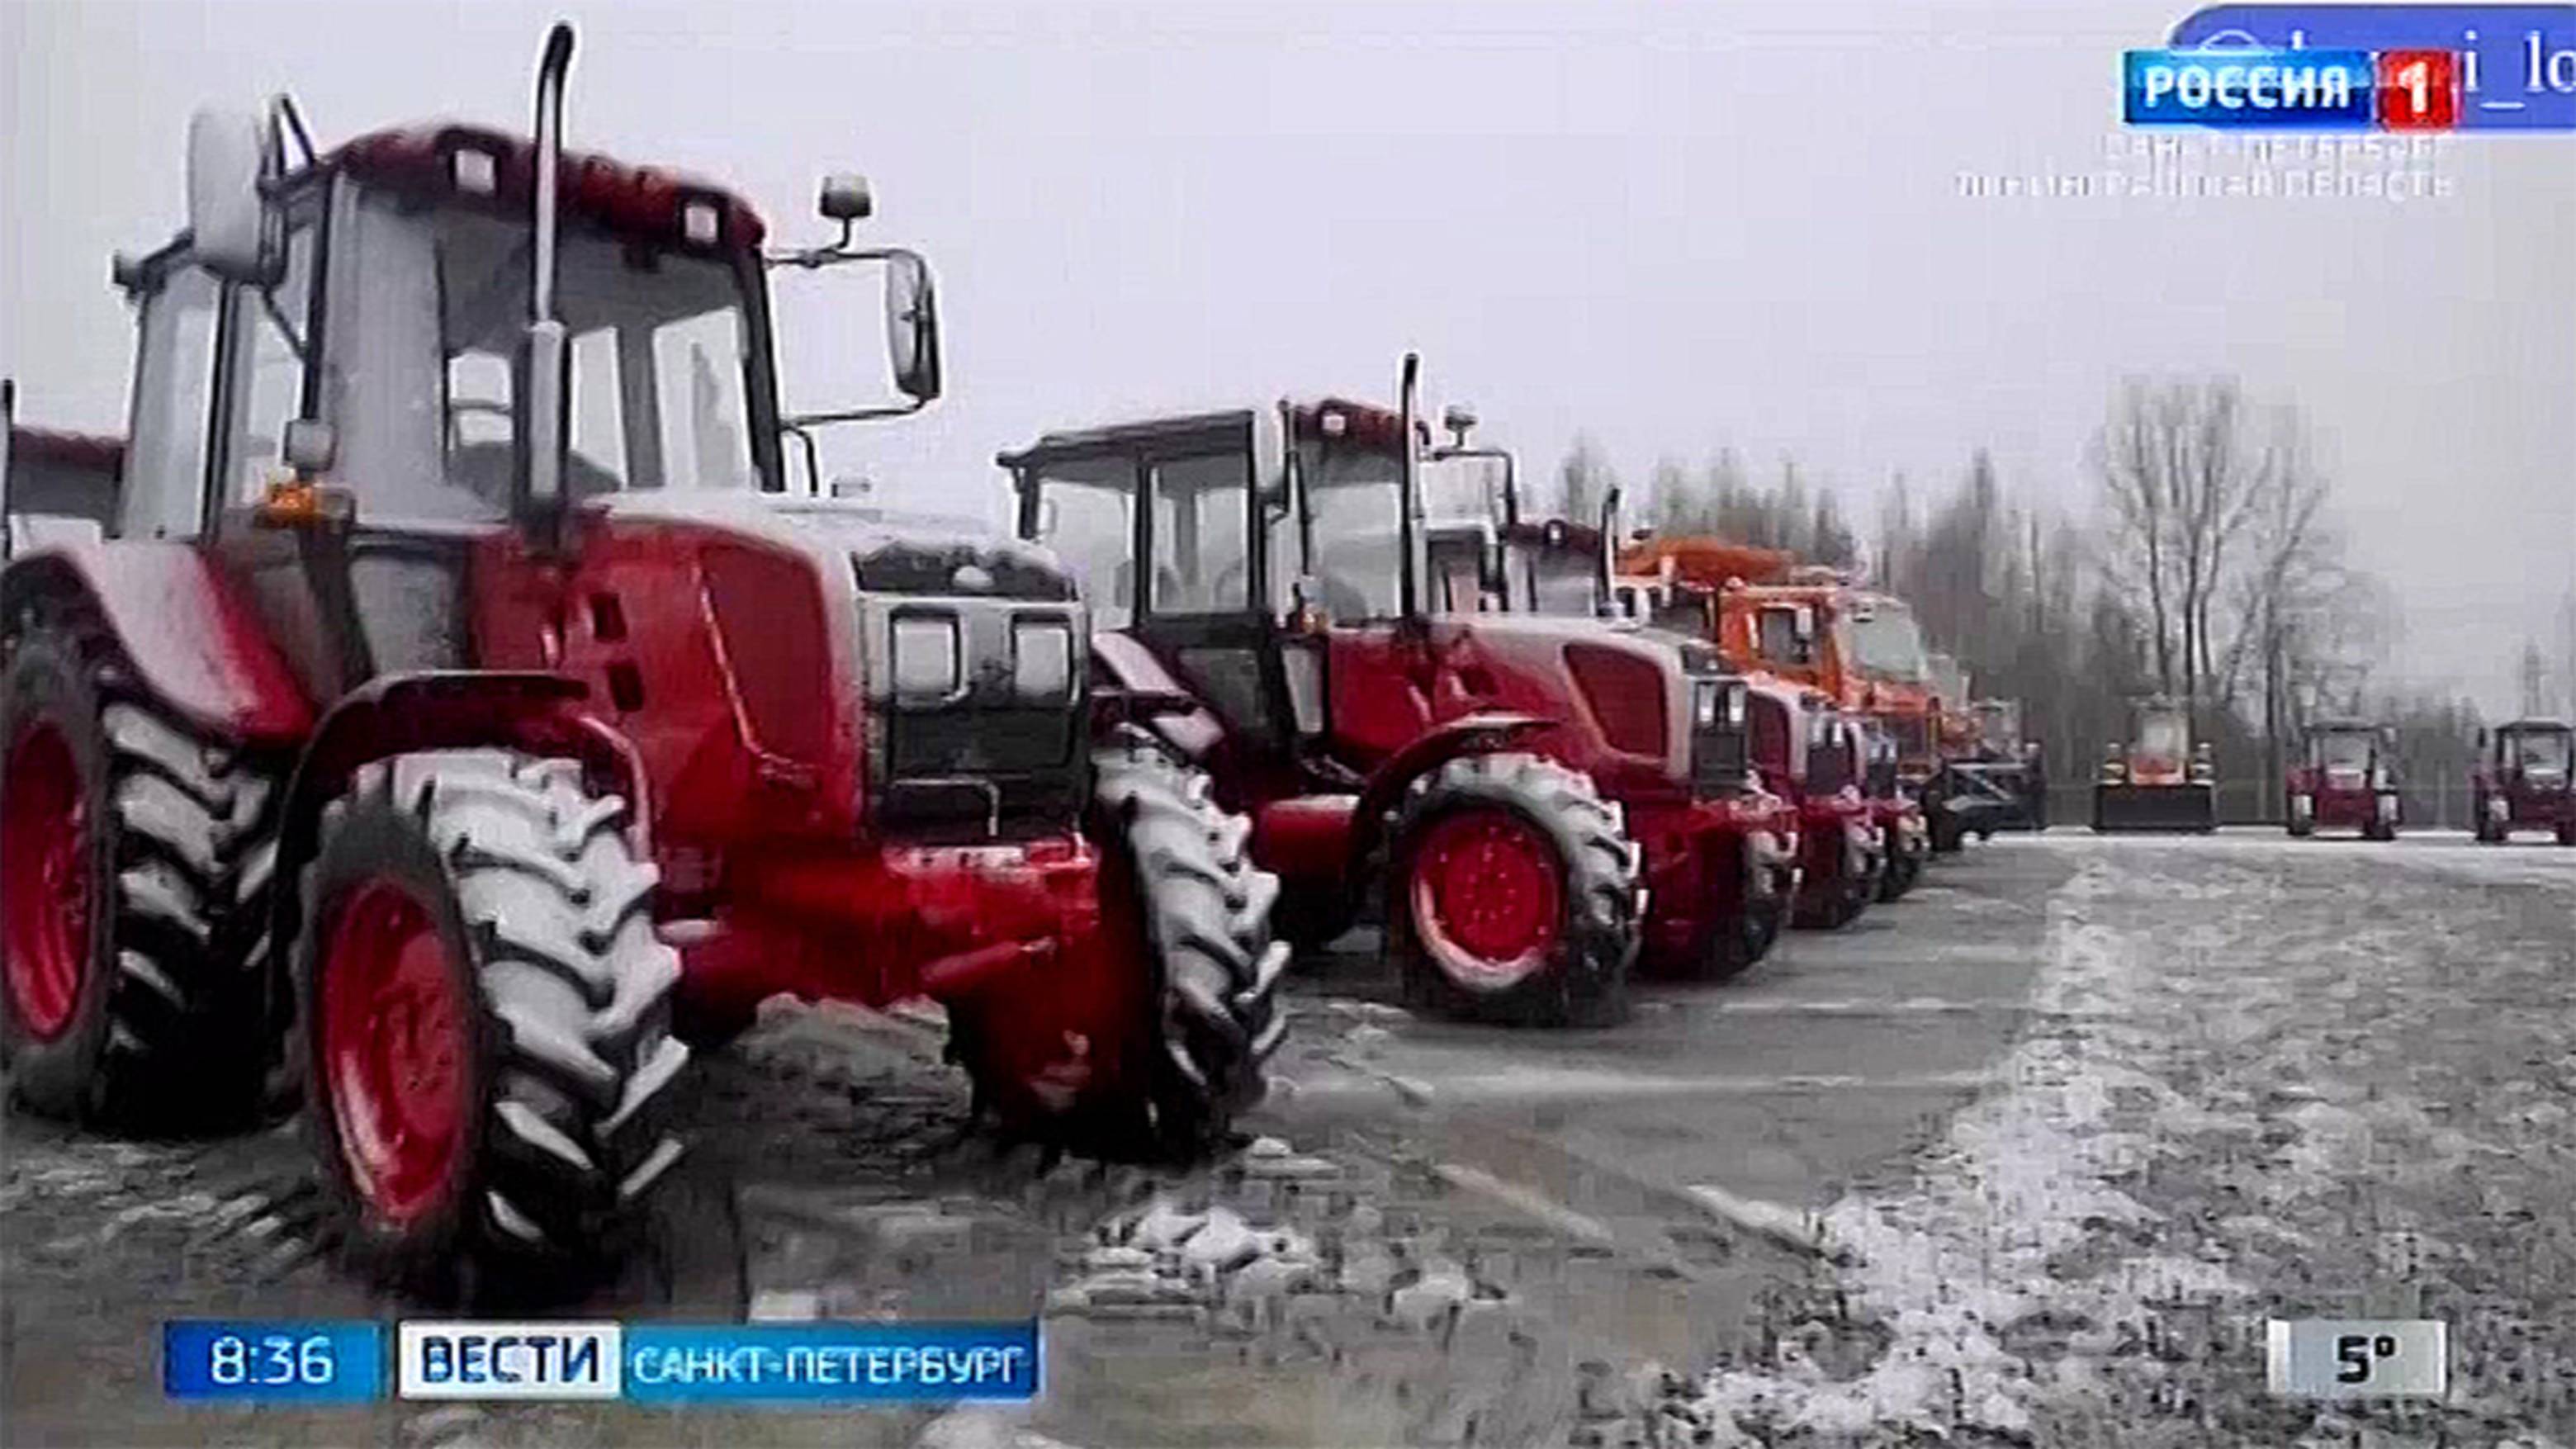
[2261,1080]
[2027,1158]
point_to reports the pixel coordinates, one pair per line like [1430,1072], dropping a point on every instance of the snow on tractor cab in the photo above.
[2160,780]
[2525,779]
[1540,797]
[2345,778]
[462,764]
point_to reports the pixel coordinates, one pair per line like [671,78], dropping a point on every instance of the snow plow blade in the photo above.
[2191,808]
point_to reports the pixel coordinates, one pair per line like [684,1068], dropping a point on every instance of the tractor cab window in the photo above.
[1354,509]
[174,382]
[1560,582]
[2343,750]
[1785,634]
[2164,737]
[1086,516]
[1458,572]
[2538,751]
[271,333]
[1886,643]
[434,301]
[1202,509]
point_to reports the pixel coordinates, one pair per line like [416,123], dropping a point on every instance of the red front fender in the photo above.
[1473,734]
[401,714]
[189,638]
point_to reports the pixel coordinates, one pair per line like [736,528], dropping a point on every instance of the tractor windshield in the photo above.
[425,396]
[1887,644]
[2344,750]
[1557,582]
[2539,752]
[1354,503]
[2163,736]
[1086,516]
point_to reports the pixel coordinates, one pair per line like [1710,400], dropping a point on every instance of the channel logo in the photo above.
[2312,89]
[510,1361]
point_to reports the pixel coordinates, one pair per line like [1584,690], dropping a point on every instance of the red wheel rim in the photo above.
[44,880]
[1488,902]
[394,1048]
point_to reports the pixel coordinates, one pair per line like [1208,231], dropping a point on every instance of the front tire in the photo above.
[485,1034]
[1157,1037]
[133,883]
[1513,895]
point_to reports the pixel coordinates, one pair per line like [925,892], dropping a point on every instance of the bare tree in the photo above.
[2189,475]
[1584,478]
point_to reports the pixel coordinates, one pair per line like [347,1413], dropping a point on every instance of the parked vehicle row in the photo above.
[441,717]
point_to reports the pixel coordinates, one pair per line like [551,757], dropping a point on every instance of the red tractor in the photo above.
[1810,752]
[2345,778]
[1904,835]
[458,714]
[2525,780]
[1528,796]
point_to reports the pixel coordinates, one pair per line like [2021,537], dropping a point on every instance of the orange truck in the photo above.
[1814,627]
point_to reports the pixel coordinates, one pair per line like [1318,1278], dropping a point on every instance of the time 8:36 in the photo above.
[277,1358]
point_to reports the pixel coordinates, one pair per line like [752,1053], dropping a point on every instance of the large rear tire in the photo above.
[485,1034]
[1512,895]
[134,865]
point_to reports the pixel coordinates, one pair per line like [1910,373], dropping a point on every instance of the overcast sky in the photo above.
[1676,226]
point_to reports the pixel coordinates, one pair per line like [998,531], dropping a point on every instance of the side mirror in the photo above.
[912,326]
[845,199]
[227,216]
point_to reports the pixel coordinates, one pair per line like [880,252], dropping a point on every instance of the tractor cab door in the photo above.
[1205,601]
[1172,542]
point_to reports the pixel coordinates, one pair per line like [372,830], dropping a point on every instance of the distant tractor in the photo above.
[1904,837]
[59,485]
[1533,801]
[2525,780]
[2345,778]
[457,713]
[2161,779]
[1810,752]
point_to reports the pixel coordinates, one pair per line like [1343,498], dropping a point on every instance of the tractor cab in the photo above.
[2344,778]
[2525,779]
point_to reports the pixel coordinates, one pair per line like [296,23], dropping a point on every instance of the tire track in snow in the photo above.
[2015,1266]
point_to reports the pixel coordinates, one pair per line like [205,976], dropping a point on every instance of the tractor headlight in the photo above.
[928,659]
[1705,706]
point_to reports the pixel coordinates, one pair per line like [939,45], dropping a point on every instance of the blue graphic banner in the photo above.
[829,1362]
[273,1361]
[2315,89]
[2515,65]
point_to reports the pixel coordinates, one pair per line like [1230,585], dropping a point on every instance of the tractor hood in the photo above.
[891,550]
[1634,683]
